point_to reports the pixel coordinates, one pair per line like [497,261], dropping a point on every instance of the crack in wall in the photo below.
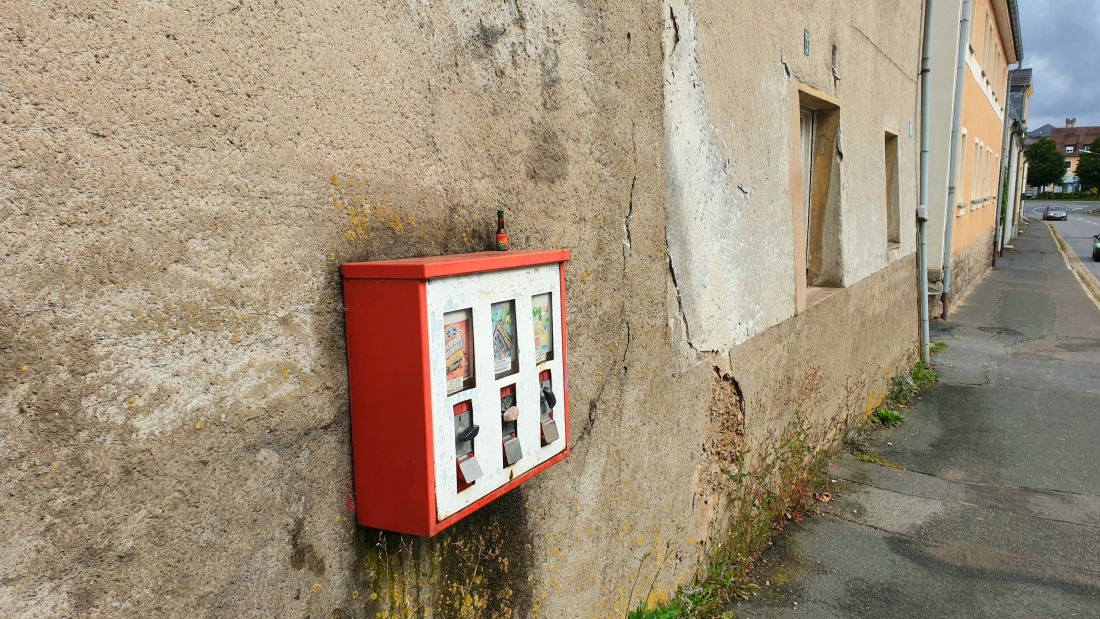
[675,29]
[627,244]
[679,301]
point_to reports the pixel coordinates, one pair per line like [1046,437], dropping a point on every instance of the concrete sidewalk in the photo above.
[998,512]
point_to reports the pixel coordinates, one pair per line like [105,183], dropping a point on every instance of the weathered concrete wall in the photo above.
[180,182]
[179,185]
[821,357]
[813,366]
[731,84]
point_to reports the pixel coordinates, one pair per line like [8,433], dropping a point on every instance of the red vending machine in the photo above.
[457,375]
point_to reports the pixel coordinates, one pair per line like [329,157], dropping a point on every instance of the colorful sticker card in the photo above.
[459,350]
[505,360]
[543,318]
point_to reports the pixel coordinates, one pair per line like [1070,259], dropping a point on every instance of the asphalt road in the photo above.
[1078,230]
[994,511]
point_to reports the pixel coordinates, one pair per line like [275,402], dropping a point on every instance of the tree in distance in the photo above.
[1088,167]
[1045,164]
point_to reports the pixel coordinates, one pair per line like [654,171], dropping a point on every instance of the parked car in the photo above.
[1054,212]
[1096,248]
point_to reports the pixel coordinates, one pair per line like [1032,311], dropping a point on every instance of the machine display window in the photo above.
[458,341]
[542,316]
[505,349]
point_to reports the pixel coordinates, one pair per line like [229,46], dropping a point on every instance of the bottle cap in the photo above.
[500,212]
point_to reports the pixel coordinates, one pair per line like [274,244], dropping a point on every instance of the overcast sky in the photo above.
[1062,45]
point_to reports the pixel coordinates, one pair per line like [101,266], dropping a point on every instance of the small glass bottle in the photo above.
[502,235]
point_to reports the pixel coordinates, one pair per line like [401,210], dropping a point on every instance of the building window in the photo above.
[974,182]
[961,181]
[1069,149]
[989,173]
[988,40]
[997,75]
[893,208]
[806,124]
[973,43]
[819,120]
[985,180]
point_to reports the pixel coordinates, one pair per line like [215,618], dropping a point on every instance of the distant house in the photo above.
[1073,140]
[1040,133]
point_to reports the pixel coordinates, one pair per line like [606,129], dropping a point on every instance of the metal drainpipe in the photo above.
[922,208]
[956,122]
[998,230]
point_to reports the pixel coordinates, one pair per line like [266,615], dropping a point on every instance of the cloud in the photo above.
[1062,45]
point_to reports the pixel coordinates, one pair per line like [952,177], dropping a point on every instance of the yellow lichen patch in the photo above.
[24,368]
[350,234]
[198,425]
[395,222]
[355,595]
[286,372]
[131,401]
[316,587]
[335,179]
[55,464]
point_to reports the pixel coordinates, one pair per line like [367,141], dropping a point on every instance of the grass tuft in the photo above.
[873,458]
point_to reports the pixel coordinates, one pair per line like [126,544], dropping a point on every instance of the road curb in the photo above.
[1084,276]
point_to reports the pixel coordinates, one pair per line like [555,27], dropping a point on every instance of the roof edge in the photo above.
[1017,38]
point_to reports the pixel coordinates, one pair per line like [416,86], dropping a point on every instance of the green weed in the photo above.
[937,346]
[902,390]
[672,611]
[887,417]
[775,493]
[923,375]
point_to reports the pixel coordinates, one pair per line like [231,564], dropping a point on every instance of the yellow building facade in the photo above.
[961,234]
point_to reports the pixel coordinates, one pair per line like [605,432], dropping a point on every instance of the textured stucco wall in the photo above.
[180,182]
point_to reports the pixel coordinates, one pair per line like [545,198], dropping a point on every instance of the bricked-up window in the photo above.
[819,117]
[893,208]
